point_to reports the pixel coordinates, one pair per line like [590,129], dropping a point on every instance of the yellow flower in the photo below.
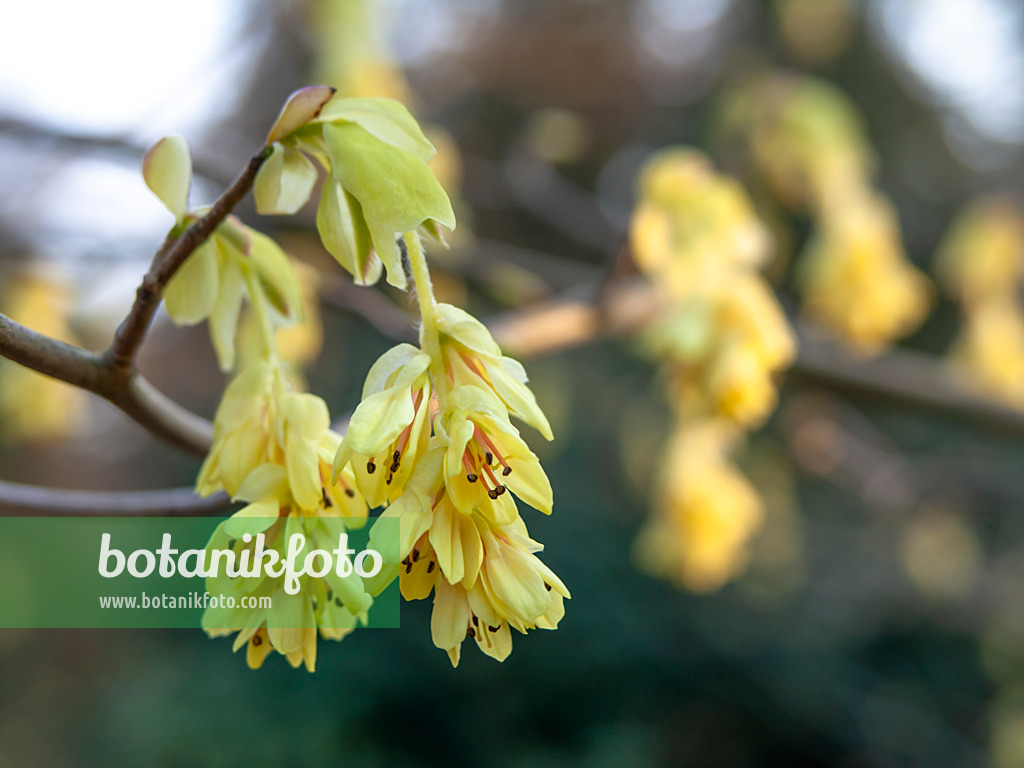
[485,454]
[472,357]
[990,351]
[331,604]
[693,226]
[390,427]
[855,277]
[32,406]
[706,513]
[982,257]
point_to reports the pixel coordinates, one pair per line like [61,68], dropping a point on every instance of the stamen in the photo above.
[500,489]
[415,555]
[371,467]
[472,478]
[476,620]
[430,566]
[350,493]
[495,629]
[257,640]
[489,457]
[547,586]
[471,633]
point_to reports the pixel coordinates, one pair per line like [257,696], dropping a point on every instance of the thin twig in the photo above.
[902,376]
[17,499]
[168,260]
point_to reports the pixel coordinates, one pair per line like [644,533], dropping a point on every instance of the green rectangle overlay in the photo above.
[218,573]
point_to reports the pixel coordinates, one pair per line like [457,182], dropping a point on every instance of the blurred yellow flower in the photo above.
[35,407]
[699,533]
[982,257]
[989,354]
[855,277]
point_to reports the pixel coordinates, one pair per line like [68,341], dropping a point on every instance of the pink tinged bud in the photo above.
[302,106]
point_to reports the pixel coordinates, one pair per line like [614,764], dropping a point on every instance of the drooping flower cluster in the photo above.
[722,334]
[723,339]
[273,449]
[707,511]
[981,264]
[808,144]
[433,439]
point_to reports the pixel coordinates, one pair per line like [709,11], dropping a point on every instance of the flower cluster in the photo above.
[433,440]
[723,339]
[981,264]
[721,334]
[807,143]
[273,449]
[707,511]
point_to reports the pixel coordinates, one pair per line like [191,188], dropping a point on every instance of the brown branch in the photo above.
[128,391]
[901,376]
[17,499]
[167,261]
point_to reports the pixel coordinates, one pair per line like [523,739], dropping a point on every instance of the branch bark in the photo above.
[17,499]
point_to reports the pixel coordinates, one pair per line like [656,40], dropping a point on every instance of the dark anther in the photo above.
[408,567]
[257,640]
[327,499]
[471,477]
[500,489]
[430,566]
[397,457]
[231,544]
[371,467]
[330,595]
[471,633]
[337,602]
[388,481]
[415,555]
[506,471]
[547,586]
[490,457]
[476,620]
[350,493]
[493,493]
[394,467]
[494,629]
